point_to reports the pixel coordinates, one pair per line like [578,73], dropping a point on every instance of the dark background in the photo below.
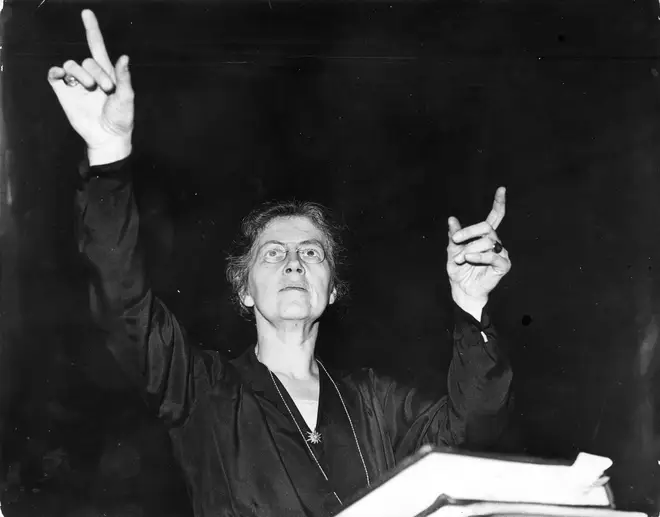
[395,115]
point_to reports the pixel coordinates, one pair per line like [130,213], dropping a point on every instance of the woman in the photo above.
[272,433]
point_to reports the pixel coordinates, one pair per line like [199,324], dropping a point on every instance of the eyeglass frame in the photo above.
[300,247]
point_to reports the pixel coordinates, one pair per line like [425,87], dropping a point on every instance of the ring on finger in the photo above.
[497,248]
[70,80]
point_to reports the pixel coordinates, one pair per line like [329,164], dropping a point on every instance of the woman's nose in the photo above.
[294,264]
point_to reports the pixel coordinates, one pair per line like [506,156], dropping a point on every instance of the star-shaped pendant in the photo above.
[314,437]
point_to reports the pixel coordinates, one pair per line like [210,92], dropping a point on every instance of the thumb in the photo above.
[453,225]
[124,87]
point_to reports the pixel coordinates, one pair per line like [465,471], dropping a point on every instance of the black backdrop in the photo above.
[394,115]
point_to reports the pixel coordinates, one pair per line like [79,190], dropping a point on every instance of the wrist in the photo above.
[470,304]
[109,152]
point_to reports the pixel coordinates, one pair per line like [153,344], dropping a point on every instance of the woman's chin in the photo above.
[297,311]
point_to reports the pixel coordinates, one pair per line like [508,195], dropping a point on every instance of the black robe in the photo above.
[240,451]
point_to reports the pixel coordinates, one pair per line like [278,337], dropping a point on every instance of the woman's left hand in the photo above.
[476,260]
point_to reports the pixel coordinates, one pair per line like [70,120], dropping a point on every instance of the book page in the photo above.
[512,509]
[475,478]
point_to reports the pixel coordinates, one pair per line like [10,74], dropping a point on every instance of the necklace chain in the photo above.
[350,421]
[311,452]
[309,449]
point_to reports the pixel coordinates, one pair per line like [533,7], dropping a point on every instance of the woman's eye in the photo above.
[274,254]
[311,255]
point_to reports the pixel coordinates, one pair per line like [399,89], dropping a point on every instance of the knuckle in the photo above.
[89,64]
[69,63]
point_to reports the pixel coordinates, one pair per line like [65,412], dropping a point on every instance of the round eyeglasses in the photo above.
[308,253]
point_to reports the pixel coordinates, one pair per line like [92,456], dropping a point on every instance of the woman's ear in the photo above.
[333,295]
[247,300]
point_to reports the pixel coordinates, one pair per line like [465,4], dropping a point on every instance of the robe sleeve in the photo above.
[143,335]
[474,411]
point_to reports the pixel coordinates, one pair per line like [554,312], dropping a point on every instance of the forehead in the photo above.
[290,230]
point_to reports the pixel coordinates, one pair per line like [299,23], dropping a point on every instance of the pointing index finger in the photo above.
[95,42]
[499,208]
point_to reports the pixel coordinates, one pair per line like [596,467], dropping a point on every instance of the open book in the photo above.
[493,509]
[413,487]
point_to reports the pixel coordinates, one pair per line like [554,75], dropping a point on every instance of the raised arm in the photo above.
[473,412]
[144,336]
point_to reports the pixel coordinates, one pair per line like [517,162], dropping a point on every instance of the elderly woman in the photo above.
[274,432]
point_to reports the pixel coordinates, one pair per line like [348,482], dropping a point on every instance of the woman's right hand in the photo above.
[100,102]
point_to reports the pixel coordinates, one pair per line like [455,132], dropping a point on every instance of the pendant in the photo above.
[314,437]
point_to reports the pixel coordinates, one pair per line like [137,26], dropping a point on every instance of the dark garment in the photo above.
[241,453]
